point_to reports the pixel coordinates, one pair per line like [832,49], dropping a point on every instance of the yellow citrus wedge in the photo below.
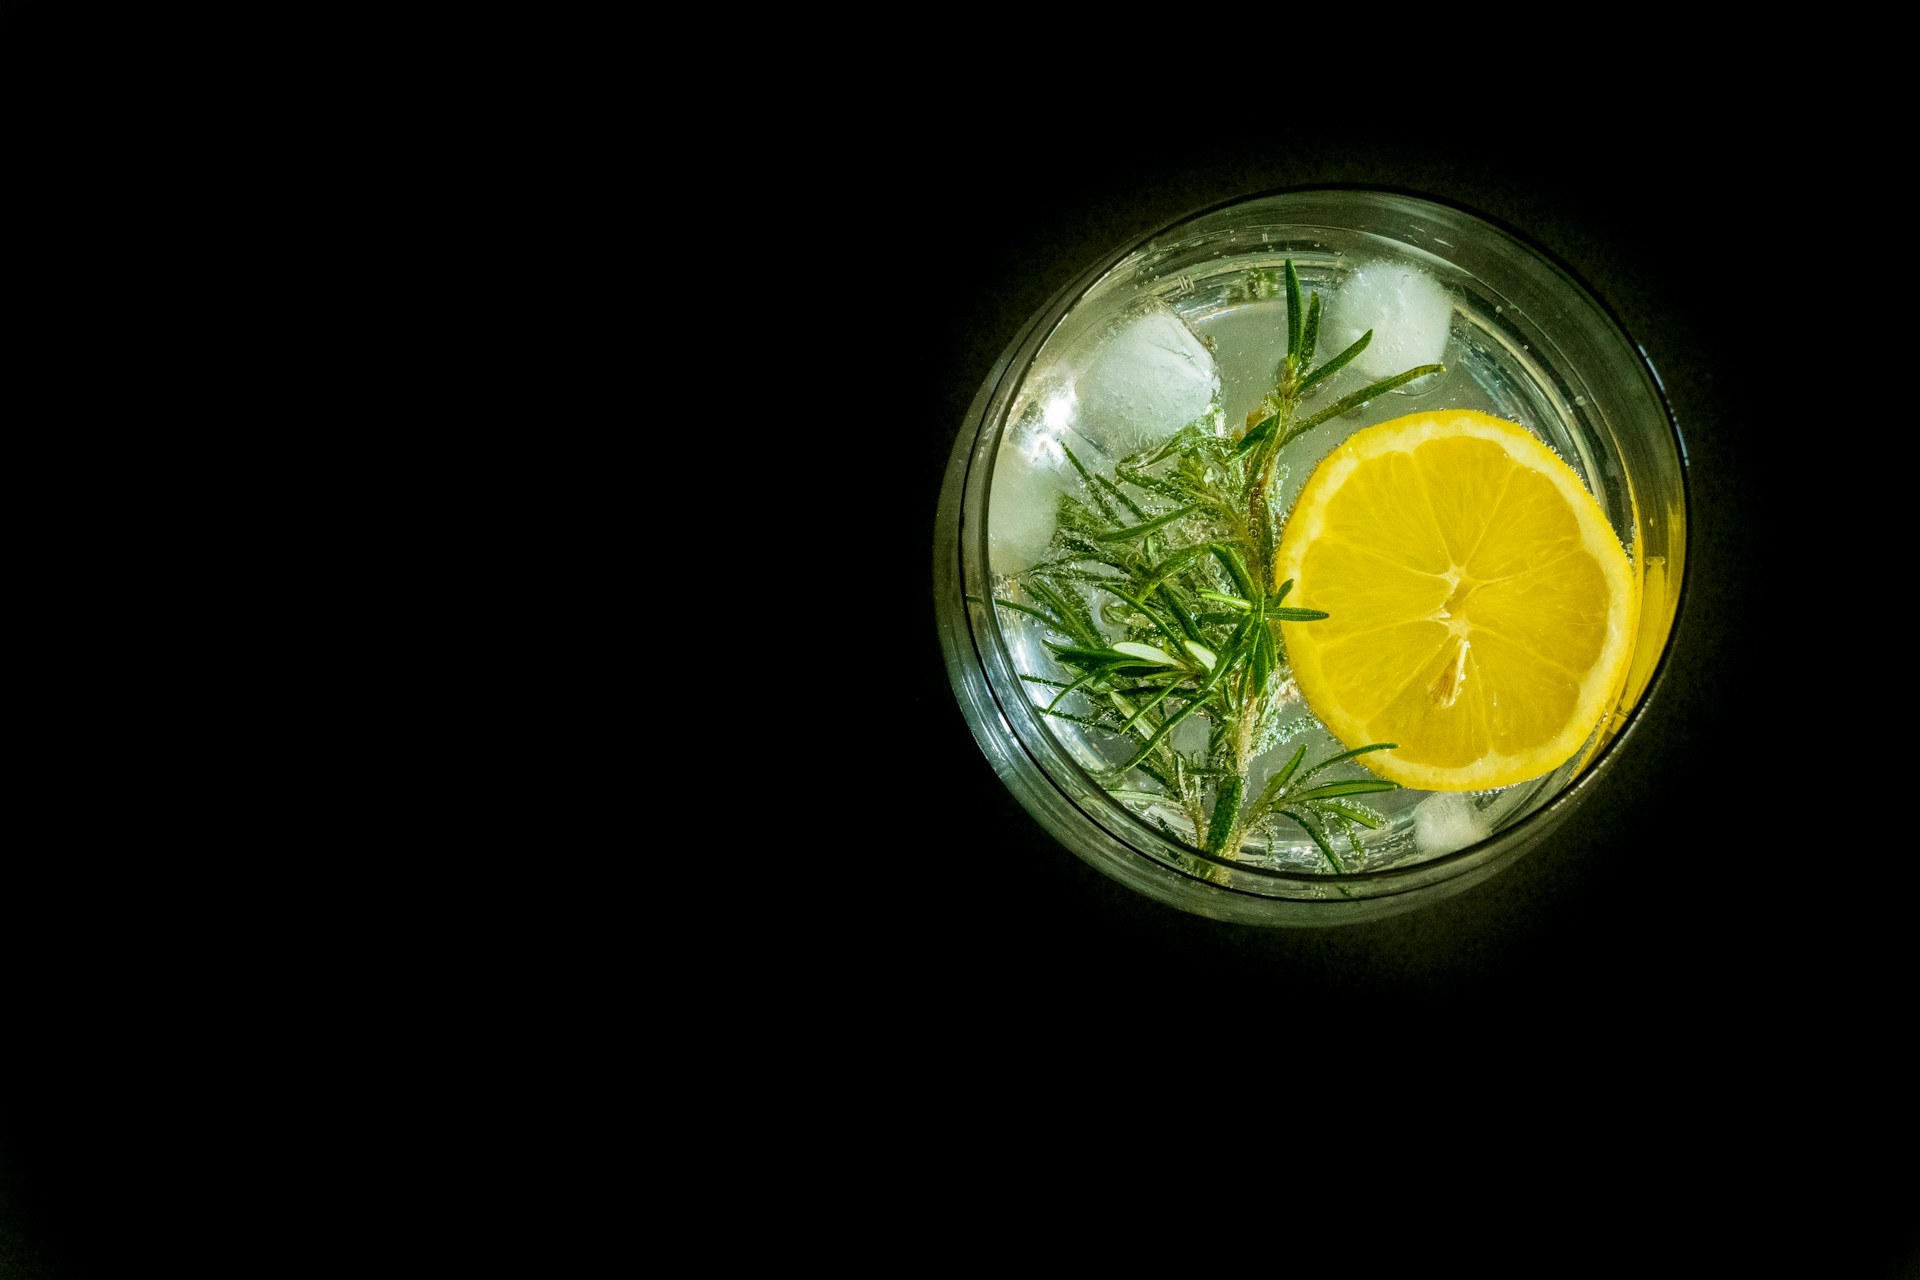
[1482,609]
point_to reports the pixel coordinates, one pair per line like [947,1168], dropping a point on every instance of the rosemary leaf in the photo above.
[1356,787]
[1184,439]
[1093,490]
[1044,619]
[1263,659]
[1338,363]
[1330,761]
[1181,613]
[1074,655]
[1236,568]
[1318,839]
[1276,784]
[1080,626]
[1077,517]
[1114,490]
[1165,628]
[1145,708]
[1295,321]
[1065,571]
[1144,651]
[1091,677]
[1135,531]
[1350,402]
[1155,485]
[1166,727]
[1372,821]
[1260,433]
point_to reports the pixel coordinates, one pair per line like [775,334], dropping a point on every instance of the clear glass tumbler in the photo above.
[1186,326]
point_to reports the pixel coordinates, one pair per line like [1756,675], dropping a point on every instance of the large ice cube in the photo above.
[1106,394]
[1140,381]
[1405,307]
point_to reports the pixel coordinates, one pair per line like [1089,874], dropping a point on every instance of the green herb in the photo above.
[1176,550]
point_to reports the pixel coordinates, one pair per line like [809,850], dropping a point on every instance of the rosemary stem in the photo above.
[1190,564]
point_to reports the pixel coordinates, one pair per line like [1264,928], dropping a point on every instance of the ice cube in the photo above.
[1446,821]
[1030,473]
[1141,380]
[1024,511]
[1110,393]
[1405,307]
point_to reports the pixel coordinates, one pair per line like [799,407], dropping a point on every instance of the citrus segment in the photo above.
[1481,609]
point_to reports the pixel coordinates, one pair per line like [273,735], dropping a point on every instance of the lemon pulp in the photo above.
[1481,607]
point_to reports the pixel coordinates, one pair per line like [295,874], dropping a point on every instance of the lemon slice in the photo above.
[1481,608]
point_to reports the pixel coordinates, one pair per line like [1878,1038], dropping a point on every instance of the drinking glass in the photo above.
[1194,315]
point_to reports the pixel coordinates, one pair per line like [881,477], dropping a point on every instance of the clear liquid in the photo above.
[1237,311]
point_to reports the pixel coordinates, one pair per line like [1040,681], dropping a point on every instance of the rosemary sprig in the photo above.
[1176,550]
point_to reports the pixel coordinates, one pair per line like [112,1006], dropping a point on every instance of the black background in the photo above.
[1622,911]
[1681,982]
[1680,951]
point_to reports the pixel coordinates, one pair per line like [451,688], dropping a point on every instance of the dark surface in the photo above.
[1664,954]
[1664,985]
[1555,923]
[1613,911]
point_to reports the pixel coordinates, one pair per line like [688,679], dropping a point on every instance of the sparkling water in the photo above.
[1203,346]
